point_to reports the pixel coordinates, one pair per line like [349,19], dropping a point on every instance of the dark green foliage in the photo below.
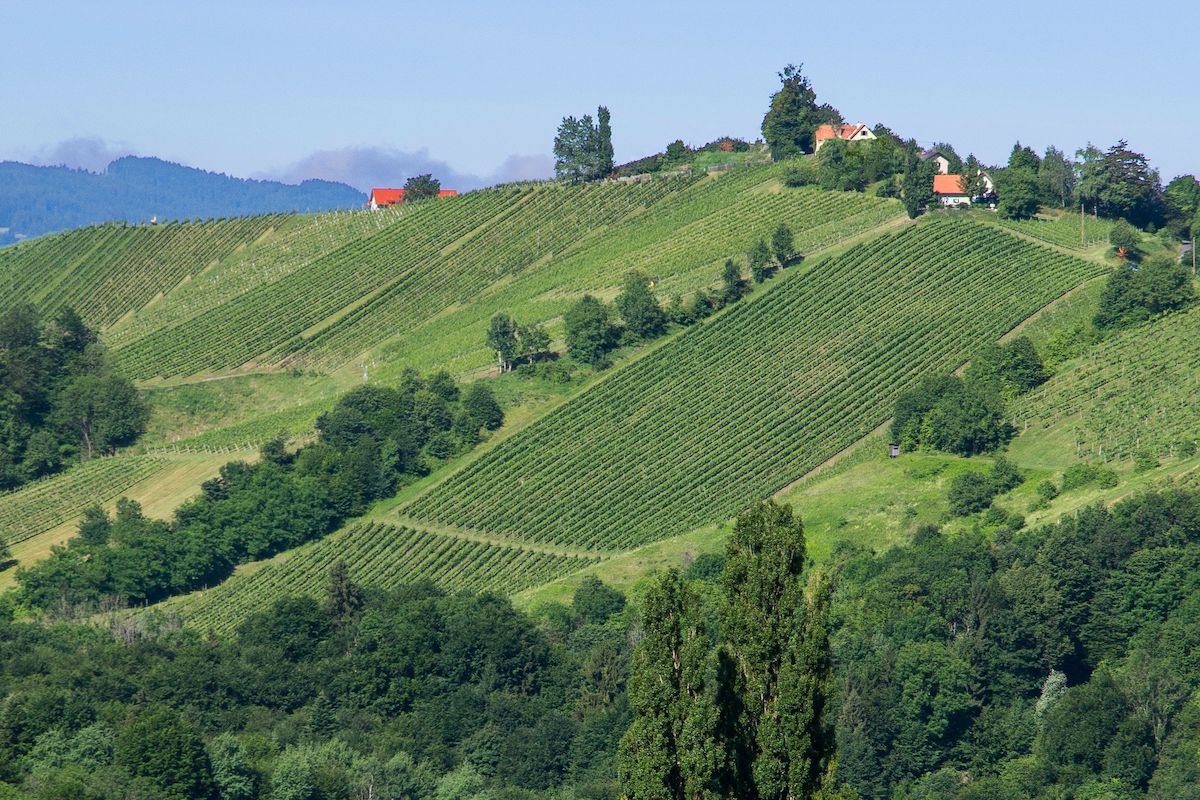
[480,404]
[734,285]
[1132,295]
[1013,368]
[604,145]
[949,414]
[794,115]
[676,153]
[372,440]
[160,746]
[502,337]
[1079,475]
[583,148]
[667,697]
[759,258]
[783,245]
[413,696]
[1182,199]
[970,492]
[590,331]
[1056,177]
[917,186]
[748,719]
[639,309]
[595,602]
[1125,239]
[60,401]
[946,646]
[1127,187]
[421,187]
[1019,192]
[707,567]
[343,598]
[973,491]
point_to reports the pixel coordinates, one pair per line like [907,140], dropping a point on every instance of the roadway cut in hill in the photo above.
[732,411]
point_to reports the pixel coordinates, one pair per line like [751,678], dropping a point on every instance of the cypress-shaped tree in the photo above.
[667,745]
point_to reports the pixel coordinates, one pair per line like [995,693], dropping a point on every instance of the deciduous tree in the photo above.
[421,187]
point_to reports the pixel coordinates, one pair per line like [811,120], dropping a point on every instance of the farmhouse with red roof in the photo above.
[949,189]
[382,198]
[850,133]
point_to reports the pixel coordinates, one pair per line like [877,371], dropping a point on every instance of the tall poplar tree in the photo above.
[666,754]
[604,154]
[777,641]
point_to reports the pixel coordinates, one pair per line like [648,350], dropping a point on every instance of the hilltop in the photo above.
[35,200]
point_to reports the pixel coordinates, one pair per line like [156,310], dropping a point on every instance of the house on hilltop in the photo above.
[849,133]
[939,159]
[382,198]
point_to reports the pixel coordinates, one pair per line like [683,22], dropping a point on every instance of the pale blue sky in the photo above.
[258,88]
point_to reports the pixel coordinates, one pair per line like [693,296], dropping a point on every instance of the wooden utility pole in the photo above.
[1082,234]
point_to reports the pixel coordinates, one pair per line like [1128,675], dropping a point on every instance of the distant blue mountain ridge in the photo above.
[36,200]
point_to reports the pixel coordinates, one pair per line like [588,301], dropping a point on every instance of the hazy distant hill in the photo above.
[36,200]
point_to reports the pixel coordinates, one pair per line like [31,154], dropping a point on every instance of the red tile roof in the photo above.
[847,131]
[947,184]
[388,197]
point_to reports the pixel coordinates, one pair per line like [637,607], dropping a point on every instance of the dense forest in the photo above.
[37,200]
[1049,663]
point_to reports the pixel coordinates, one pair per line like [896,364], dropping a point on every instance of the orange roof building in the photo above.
[850,133]
[948,184]
[382,198]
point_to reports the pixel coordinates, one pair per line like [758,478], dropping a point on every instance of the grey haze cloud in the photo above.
[367,167]
[81,152]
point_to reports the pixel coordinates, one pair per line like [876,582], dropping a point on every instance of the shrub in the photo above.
[1047,490]
[970,492]
[1124,237]
[595,601]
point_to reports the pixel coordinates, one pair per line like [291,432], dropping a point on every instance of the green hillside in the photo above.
[106,271]
[741,407]
[417,285]
[1133,394]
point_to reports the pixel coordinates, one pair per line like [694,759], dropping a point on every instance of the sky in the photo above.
[369,93]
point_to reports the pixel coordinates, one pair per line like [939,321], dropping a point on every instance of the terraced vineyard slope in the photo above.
[1133,394]
[418,289]
[106,271]
[378,554]
[738,408]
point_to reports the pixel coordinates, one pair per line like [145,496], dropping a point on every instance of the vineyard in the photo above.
[379,555]
[106,271]
[680,241]
[1133,394]
[40,506]
[738,408]
[418,284]
[1062,229]
[294,243]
